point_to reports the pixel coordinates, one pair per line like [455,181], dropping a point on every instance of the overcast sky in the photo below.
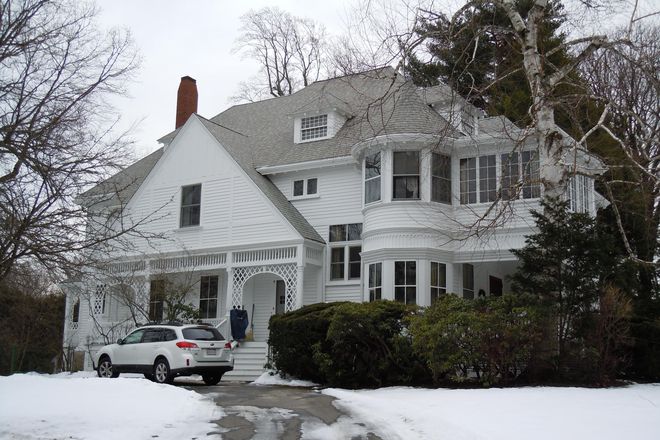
[195,38]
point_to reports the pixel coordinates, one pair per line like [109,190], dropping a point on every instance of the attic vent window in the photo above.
[313,127]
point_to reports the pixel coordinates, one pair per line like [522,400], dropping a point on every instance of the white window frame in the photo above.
[305,183]
[189,206]
[376,178]
[468,282]
[439,178]
[418,175]
[438,289]
[375,284]
[208,299]
[580,193]
[316,126]
[408,283]
[345,245]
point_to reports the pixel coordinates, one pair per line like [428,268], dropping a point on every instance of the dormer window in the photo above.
[313,127]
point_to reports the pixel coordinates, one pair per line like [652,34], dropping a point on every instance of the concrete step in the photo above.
[249,361]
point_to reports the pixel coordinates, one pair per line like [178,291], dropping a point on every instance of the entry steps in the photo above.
[249,361]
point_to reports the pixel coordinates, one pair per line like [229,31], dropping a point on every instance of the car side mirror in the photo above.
[120,341]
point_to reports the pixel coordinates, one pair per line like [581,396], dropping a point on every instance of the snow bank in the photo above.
[272,378]
[508,414]
[78,406]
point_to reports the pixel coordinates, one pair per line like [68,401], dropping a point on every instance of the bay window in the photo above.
[375,281]
[440,178]
[405,282]
[438,281]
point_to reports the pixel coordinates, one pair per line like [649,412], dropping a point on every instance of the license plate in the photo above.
[210,351]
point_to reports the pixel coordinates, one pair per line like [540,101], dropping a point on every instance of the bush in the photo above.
[294,335]
[351,345]
[491,341]
[367,346]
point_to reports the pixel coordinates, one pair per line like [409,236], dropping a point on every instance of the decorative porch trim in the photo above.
[189,261]
[288,272]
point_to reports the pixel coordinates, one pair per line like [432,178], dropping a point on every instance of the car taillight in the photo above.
[228,345]
[185,345]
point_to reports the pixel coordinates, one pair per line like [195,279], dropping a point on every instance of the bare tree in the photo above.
[290,51]
[57,137]
[625,81]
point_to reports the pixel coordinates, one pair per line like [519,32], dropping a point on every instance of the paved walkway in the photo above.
[277,412]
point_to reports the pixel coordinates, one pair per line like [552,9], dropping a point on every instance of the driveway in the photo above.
[277,412]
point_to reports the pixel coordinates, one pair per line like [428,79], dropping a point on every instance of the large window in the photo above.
[520,175]
[313,127]
[405,281]
[440,178]
[468,281]
[191,203]
[345,262]
[375,281]
[487,179]
[406,175]
[438,281]
[208,296]
[156,299]
[372,178]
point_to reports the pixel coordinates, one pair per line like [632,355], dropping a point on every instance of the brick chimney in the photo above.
[186,100]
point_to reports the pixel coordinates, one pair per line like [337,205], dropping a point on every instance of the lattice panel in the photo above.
[141,289]
[288,272]
[98,305]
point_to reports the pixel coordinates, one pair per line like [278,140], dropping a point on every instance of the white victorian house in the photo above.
[355,188]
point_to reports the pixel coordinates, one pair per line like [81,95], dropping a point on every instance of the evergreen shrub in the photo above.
[489,341]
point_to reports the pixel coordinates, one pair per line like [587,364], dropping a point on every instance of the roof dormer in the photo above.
[309,127]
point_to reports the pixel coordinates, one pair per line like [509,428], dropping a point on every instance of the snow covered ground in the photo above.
[272,378]
[538,413]
[82,406]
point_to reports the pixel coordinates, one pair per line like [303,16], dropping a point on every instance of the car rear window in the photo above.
[202,334]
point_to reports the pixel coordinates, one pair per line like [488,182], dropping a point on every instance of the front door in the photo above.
[495,286]
[280,297]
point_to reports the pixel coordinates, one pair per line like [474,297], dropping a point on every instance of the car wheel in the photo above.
[105,368]
[211,379]
[162,372]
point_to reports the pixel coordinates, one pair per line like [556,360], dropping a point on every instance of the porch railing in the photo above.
[265,255]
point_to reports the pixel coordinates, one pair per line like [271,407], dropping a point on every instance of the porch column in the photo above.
[230,290]
[299,286]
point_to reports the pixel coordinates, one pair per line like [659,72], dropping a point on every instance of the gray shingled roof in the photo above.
[238,145]
[377,102]
[119,188]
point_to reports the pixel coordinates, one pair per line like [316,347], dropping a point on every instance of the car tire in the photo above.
[211,379]
[162,373]
[105,369]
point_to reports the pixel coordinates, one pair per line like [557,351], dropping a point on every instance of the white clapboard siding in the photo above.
[343,293]
[233,210]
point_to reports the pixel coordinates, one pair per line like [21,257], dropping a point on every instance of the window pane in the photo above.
[411,295]
[355,262]
[400,294]
[298,187]
[337,255]
[354,231]
[487,179]
[311,186]
[338,233]
[468,182]
[400,272]
[406,187]
[510,176]
[406,162]
[191,195]
[372,190]
[441,178]
[434,274]
[372,166]
[530,174]
[337,264]
[411,270]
